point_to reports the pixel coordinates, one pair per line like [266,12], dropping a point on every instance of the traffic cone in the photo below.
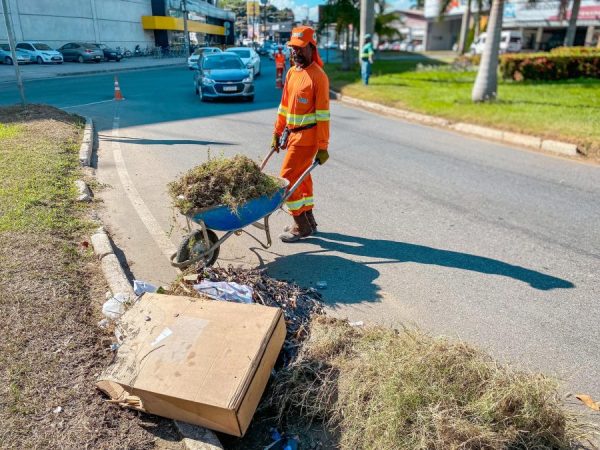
[118,95]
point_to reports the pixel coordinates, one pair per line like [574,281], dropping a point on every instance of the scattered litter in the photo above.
[103,324]
[223,290]
[163,335]
[588,401]
[193,277]
[85,244]
[147,318]
[358,323]
[57,410]
[114,347]
[139,287]
[114,307]
[298,304]
[321,285]
[284,442]
[119,336]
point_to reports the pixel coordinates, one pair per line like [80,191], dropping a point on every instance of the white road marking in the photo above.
[152,225]
[87,104]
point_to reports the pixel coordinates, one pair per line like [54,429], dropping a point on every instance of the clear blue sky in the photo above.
[302,7]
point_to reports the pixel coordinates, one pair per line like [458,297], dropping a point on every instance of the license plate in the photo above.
[56,58]
[229,88]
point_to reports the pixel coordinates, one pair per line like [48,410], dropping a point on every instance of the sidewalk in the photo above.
[35,71]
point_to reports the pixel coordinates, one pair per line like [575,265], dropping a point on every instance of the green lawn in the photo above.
[567,110]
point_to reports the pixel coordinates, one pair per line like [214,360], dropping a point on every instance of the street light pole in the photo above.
[367,21]
[13,51]
[186,35]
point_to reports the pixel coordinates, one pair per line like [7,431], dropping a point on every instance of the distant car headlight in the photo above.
[248,79]
[250,65]
[208,81]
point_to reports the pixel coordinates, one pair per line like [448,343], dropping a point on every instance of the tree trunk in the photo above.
[346,52]
[477,24]
[464,29]
[570,38]
[486,83]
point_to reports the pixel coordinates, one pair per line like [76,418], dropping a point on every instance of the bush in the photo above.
[568,63]
[575,51]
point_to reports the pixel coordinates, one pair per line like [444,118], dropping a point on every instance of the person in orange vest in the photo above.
[280,67]
[302,128]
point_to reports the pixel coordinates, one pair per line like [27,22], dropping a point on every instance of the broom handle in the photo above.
[266,160]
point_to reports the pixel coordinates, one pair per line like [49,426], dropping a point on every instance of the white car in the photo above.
[40,52]
[510,42]
[198,53]
[249,57]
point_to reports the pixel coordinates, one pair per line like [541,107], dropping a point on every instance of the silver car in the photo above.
[221,75]
[6,56]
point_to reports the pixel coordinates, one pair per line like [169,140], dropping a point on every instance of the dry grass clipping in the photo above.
[222,181]
[383,389]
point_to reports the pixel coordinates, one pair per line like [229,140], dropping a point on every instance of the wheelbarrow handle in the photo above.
[266,160]
[300,180]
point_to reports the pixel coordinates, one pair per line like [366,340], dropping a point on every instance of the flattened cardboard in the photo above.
[205,362]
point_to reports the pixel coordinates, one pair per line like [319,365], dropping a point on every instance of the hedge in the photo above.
[559,65]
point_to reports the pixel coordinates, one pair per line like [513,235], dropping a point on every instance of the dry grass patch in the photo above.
[51,349]
[382,389]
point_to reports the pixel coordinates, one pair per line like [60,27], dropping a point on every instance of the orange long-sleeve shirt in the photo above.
[305,101]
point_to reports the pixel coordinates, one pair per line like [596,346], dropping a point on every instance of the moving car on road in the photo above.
[110,54]
[221,75]
[40,52]
[249,57]
[510,42]
[81,52]
[198,53]
[6,55]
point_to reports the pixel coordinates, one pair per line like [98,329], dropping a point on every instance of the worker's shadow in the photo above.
[353,280]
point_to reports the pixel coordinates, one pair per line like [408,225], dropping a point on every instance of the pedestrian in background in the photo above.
[366,59]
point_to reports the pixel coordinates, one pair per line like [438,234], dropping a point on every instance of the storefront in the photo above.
[207,24]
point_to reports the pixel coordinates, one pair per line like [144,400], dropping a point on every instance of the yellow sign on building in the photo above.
[252,8]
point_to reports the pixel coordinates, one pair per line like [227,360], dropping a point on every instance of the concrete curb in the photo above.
[523,140]
[87,145]
[114,70]
[193,437]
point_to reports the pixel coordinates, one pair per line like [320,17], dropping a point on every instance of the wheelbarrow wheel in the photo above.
[193,245]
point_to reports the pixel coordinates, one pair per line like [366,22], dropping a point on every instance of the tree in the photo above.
[466,19]
[572,28]
[486,83]
[346,16]
[384,21]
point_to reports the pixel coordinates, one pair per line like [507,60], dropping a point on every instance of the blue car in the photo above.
[223,75]
[6,56]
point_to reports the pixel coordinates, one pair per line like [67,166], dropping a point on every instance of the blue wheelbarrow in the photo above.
[203,245]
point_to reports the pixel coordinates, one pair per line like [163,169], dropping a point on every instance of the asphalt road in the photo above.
[495,245]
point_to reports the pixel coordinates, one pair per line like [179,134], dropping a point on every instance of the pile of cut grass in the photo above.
[383,389]
[222,181]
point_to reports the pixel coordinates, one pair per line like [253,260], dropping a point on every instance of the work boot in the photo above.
[301,229]
[311,220]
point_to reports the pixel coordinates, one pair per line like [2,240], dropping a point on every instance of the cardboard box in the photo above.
[205,362]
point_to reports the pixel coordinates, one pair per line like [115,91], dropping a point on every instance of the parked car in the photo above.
[6,56]
[110,54]
[223,75]
[40,52]
[510,42]
[198,53]
[249,57]
[81,52]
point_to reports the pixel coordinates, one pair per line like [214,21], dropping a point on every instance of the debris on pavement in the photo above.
[298,304]
[57,410]
[222,181]
[207,366]
[225,290]
[140,287]
[588,401]
[114,307]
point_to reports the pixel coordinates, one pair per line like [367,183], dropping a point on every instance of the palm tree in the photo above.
[345,15]
[486,83]
[384,21]
[572,28]
[466,19]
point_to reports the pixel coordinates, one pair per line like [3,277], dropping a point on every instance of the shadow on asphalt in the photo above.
[354,280]
[128,140]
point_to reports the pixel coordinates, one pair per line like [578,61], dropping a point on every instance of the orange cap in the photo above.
[302,36]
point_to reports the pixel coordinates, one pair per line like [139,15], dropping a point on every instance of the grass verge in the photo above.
[381,389]
[565,110]
[51,349]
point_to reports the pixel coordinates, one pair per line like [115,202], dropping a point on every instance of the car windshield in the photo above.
[40,46]
[241,53]
[222,62]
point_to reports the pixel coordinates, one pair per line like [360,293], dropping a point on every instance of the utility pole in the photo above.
[367,21]
[13,51]
[186,34]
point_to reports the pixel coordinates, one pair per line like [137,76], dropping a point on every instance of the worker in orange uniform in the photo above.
[302,128]
[279,67]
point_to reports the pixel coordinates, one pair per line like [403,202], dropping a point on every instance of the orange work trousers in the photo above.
[297,160]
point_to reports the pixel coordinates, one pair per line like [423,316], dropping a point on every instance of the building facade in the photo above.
[118,23]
